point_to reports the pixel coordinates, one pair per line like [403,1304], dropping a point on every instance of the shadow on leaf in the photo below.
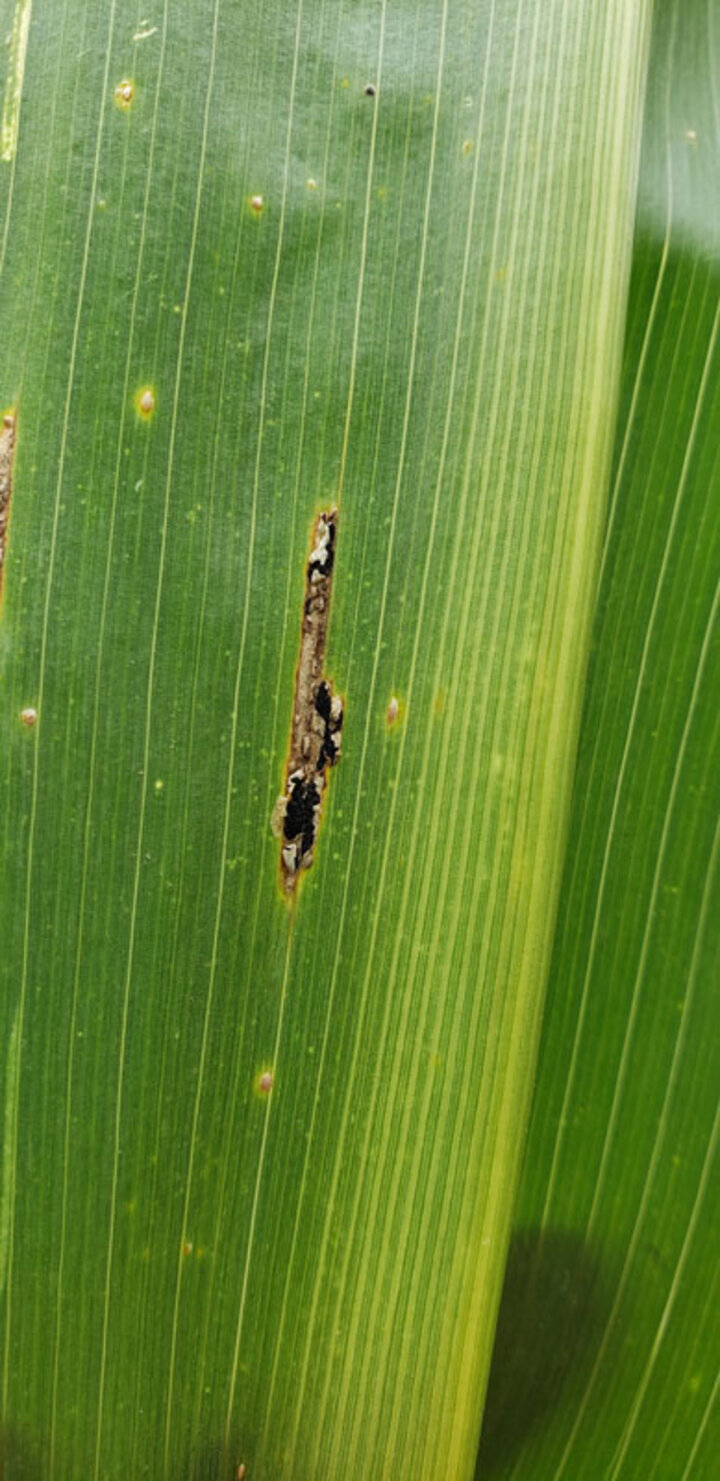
[20,1459]
[551,1314]
[212,1464]
[215,1463]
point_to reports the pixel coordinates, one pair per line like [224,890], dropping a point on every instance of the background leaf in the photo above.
[375,253]
[605,1363]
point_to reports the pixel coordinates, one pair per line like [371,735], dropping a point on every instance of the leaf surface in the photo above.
[608,1337]
[258,260]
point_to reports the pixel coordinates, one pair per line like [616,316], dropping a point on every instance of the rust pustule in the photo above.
[317,720]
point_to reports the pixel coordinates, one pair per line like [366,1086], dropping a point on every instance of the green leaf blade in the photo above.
[623,1137]
[431,333]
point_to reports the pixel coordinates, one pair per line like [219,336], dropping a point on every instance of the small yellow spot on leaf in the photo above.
[124,94]
[145,403]
[394,712]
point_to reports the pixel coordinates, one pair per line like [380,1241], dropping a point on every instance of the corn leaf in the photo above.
[606,1359]
[260,1147]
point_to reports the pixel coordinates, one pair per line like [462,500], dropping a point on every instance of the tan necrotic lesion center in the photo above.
[317,716]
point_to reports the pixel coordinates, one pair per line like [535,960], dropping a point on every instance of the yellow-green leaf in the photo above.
[259,1160]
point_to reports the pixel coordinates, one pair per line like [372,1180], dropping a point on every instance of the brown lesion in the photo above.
[7,457]
[317,716]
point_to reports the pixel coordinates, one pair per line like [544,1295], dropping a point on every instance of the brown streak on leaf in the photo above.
[317,716]
[8,432]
